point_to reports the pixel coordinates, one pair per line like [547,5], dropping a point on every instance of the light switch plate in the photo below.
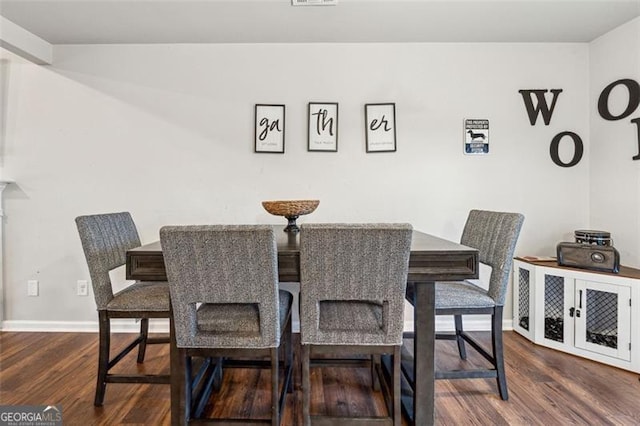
[32,288]
[82,287]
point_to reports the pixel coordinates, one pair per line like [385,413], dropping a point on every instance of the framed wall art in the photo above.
[269,128]
[323,127]
[380,121]
[476,136]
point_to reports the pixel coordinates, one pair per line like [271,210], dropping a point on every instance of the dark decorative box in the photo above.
[588,256]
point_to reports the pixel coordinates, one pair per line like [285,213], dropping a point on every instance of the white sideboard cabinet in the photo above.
[591,314]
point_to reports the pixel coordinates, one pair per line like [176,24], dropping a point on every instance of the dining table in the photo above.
[432,259]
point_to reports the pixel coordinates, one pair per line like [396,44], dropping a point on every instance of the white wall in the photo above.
[615,177]
[166,132]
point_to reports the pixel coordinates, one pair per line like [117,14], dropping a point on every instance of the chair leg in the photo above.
[375,383]
[397,396]
[498,352]
[289,354]
[275,395]
[306,387]
[104,326]
[461,349]
[177,365]
[219,374]
[188,392]
[144,334]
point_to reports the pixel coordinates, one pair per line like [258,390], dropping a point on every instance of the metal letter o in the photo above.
[577,155]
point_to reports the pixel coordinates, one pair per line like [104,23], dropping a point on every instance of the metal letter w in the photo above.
[541,107]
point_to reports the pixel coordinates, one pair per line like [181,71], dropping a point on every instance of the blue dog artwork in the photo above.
[476,140]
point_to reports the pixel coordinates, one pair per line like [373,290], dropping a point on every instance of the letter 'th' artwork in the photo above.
[323,127]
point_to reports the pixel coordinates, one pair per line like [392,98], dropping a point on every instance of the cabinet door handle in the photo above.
[571,312]
[580,300]
[578,313]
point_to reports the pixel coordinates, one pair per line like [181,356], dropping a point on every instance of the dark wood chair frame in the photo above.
[105,364]
[495,235]
[315,356]
[495,357]
[200,384]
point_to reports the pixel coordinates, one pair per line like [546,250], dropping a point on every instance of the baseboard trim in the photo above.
[469,323]
[162,325]
[117,326]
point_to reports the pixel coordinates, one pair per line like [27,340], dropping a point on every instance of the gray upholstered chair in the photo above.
[352,285]
[494,235]
[226,303]
[105,239]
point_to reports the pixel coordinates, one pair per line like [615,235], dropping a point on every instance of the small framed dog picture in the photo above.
[476,136]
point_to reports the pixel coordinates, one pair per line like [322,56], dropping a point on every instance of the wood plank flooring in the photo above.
[546,387]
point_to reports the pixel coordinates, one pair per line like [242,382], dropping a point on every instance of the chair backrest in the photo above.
[354,262]
[105,240]
[494,235]
[222,264]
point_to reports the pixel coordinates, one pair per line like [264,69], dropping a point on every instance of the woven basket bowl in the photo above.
[288,208]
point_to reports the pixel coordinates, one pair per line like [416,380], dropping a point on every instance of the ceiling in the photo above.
[276,21]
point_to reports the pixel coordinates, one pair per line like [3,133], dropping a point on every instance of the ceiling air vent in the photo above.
[314,2]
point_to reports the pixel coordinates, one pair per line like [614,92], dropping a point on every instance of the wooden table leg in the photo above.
[424,354]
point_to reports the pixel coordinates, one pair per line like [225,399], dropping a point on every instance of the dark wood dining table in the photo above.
[432,259]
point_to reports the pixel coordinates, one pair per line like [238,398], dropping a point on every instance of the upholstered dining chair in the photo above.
[226,304]
[105,240]
[352,286]
[494,235]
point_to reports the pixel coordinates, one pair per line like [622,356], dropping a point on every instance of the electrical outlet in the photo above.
[82,287]
[32,288]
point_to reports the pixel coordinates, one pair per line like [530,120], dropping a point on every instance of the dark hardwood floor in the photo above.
[546,387]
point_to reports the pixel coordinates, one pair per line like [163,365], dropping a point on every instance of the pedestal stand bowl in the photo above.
[291,209]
